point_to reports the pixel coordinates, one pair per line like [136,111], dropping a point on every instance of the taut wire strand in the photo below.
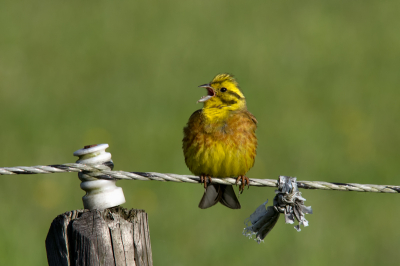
[103,172]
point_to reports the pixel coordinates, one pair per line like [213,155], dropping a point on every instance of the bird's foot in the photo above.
[244,180]
[203,179]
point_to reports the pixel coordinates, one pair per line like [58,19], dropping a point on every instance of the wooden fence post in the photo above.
[114,236]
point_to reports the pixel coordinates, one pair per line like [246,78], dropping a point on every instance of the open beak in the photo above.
[210,93]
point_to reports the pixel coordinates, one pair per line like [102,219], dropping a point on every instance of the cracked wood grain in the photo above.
[114,236]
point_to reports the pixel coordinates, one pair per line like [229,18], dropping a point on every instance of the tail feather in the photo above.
[229,198]
[219,193]
[211,196]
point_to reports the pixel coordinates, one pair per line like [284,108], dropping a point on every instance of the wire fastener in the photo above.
[100,193]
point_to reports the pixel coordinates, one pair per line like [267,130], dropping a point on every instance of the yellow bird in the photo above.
[219,140]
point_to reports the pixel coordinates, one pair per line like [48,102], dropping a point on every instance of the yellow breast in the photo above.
[222,148]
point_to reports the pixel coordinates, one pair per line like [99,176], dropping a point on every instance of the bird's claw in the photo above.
[203,179]
[244,180]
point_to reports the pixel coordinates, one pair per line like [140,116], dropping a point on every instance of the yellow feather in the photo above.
[219,140]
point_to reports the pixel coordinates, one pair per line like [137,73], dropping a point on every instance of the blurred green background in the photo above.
[322,78]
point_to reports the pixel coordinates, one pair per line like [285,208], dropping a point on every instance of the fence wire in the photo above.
[103,171]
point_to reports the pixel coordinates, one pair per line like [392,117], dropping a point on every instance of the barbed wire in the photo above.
[102,171]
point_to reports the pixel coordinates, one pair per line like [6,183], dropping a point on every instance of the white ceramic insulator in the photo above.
[100,194]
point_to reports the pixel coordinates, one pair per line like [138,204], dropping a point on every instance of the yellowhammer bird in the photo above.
[219,140]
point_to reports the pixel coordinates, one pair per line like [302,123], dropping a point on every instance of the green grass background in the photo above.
[322,78]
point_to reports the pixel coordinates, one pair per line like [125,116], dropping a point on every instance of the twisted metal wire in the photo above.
[103,171]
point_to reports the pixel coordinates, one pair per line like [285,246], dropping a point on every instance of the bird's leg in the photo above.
[203,179]
[244,180]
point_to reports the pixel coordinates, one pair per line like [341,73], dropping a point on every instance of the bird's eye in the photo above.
[223,89]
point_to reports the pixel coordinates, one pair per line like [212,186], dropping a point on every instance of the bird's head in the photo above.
[223,92]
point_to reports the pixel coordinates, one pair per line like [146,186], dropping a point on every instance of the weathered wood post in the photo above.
[102,234]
